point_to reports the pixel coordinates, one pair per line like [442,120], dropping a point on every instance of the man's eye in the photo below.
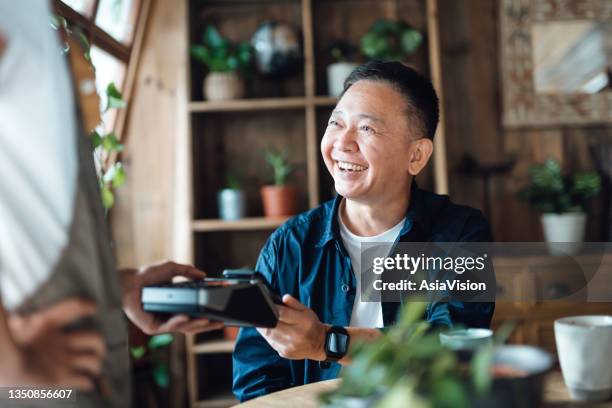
[332,123]
[366,129]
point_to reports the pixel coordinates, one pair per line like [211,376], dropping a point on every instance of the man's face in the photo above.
[366,146]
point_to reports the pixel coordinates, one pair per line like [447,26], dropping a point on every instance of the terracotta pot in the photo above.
[279,201]
[222,86]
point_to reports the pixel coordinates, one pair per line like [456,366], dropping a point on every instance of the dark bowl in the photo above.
[524,387]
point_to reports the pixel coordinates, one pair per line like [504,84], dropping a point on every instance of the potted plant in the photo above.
[389,40]
[342,54]
[279,199]
[562,201]
[225,62]
[408,367]
[231,200]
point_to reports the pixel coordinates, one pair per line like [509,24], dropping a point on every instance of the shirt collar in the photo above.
[417,213]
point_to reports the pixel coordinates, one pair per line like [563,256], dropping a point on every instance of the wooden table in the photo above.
[556,395]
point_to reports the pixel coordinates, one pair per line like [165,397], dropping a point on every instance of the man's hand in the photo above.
[133,281]
[49,356]
[299,333]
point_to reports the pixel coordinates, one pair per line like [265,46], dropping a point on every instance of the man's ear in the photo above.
[420,152]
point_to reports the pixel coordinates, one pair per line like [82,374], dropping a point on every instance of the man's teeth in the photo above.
[350,166]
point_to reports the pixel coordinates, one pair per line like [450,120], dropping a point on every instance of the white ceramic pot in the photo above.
[231,203]
[584,345]
[564,233]
[223,86]
[336,74]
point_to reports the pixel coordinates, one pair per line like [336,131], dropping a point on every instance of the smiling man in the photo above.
[378,138]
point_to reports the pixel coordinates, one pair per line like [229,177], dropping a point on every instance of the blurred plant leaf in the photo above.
[115,175]
[161,375]
[137,352]
[160,340]
[108,198]
[110,143]
[114,98]
[552,192]
[449,393]
[96,139]
[481,369]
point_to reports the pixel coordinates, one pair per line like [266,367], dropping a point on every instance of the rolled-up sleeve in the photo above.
[258,369]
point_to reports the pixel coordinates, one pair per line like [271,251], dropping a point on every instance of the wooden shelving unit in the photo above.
[290,113]
[216,346]
[261,104]
[245,224]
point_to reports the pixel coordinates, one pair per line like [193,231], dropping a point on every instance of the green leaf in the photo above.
[96,139]
[411,39]
[115,175]
[160,340]
[84,41]
[119,178]
[114,98]
[110,143]
[58,21]
[108,198]
[412,313]
[481,369]
[213,38]
[137,352]
[161,375]
[402,394]
[448,392]
[281,168]
[389,40]
[503,333]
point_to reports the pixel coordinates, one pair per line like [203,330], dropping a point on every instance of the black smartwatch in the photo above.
[336,344]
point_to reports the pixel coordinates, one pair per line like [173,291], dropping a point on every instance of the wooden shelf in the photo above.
[247,104]
[261,104]
[214,346]
[245,224]
[325,100]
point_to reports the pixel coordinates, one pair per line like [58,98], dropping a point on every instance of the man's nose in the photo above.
[346,141]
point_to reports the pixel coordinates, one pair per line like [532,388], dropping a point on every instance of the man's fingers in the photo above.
[198,326]
[89,342]
[167,270]
[89,364]
[293,303]
[65,312]
[77,381]
[171,324]
[289,315]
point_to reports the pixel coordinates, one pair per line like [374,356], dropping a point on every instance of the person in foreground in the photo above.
[378,138]
[62,298]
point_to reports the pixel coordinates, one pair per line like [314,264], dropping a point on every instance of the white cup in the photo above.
[584,345]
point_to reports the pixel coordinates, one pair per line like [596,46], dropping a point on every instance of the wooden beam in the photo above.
[439,154]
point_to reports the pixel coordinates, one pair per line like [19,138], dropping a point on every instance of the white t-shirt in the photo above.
[365,314]
[38,156]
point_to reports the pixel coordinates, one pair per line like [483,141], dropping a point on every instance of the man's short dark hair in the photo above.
[419,93]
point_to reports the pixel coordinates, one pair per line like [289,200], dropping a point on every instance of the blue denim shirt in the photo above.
[305,258]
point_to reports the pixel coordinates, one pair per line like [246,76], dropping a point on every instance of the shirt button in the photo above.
[345,288]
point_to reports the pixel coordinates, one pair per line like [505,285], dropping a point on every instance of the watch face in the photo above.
[337,344]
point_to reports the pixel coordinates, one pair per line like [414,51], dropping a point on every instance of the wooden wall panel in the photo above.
[470,68]
[142,218]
